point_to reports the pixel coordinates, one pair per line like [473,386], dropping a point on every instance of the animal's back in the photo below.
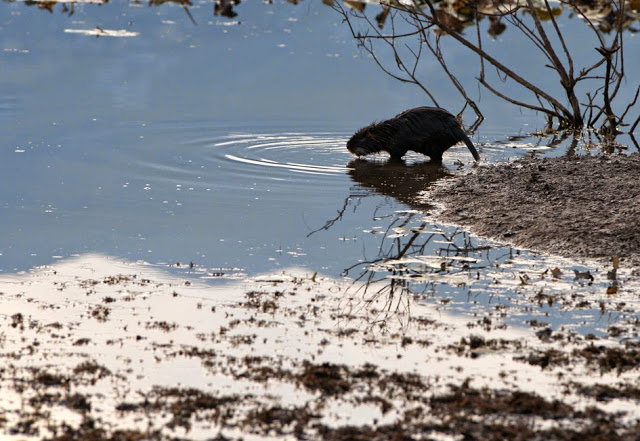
[433,126]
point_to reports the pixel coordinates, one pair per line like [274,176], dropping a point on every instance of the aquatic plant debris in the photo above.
[570,206]
[96,348]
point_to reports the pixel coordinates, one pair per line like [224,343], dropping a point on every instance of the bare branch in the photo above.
[560,37]
[582,15]
[619,45]
[438,54]
[390,41]
[635,124]
[606,73]
[630,105]
[565,80]
[517,103]
[566,114]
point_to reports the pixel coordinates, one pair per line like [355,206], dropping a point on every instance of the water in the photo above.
[221,147]
[219,195]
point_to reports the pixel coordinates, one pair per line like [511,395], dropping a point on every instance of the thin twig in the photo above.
[566,114]
[560,37]
[567,82]
[630,105]
[438,54]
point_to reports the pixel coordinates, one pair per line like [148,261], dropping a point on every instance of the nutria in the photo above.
[426,130]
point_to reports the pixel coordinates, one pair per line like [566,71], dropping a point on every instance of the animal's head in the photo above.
[364,142]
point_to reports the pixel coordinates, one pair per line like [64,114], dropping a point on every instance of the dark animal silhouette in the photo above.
[426,130]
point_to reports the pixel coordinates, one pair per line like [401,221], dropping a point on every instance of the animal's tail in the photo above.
[472,149]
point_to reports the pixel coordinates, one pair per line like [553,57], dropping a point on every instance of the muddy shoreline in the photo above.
[570,206]
[94,348]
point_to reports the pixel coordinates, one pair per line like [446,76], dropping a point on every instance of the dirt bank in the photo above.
[570,206]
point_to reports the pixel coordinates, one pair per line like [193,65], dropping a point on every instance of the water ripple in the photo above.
[322,154]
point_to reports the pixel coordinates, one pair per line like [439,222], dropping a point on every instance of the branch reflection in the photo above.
[459,15]
[413,255]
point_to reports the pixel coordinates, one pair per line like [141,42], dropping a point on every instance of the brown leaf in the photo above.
[616,262]
[557,273]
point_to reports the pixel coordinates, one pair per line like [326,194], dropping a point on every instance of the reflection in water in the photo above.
[407,236]
[415,257]
[397,179]
[393,178]
[404,234]
[457,15]
[225,8]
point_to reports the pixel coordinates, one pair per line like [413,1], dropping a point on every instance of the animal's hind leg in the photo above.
[432,151]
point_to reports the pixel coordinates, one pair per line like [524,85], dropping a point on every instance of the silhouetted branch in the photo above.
[605,74]
[435,50]
[634,125]
[558,109]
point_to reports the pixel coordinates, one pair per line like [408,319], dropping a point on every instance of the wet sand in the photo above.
[95,348]
[569,206]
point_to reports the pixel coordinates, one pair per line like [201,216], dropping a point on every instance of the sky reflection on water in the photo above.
[220,144]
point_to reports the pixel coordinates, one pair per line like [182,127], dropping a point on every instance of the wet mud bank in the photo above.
[98,349]
[569,206]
